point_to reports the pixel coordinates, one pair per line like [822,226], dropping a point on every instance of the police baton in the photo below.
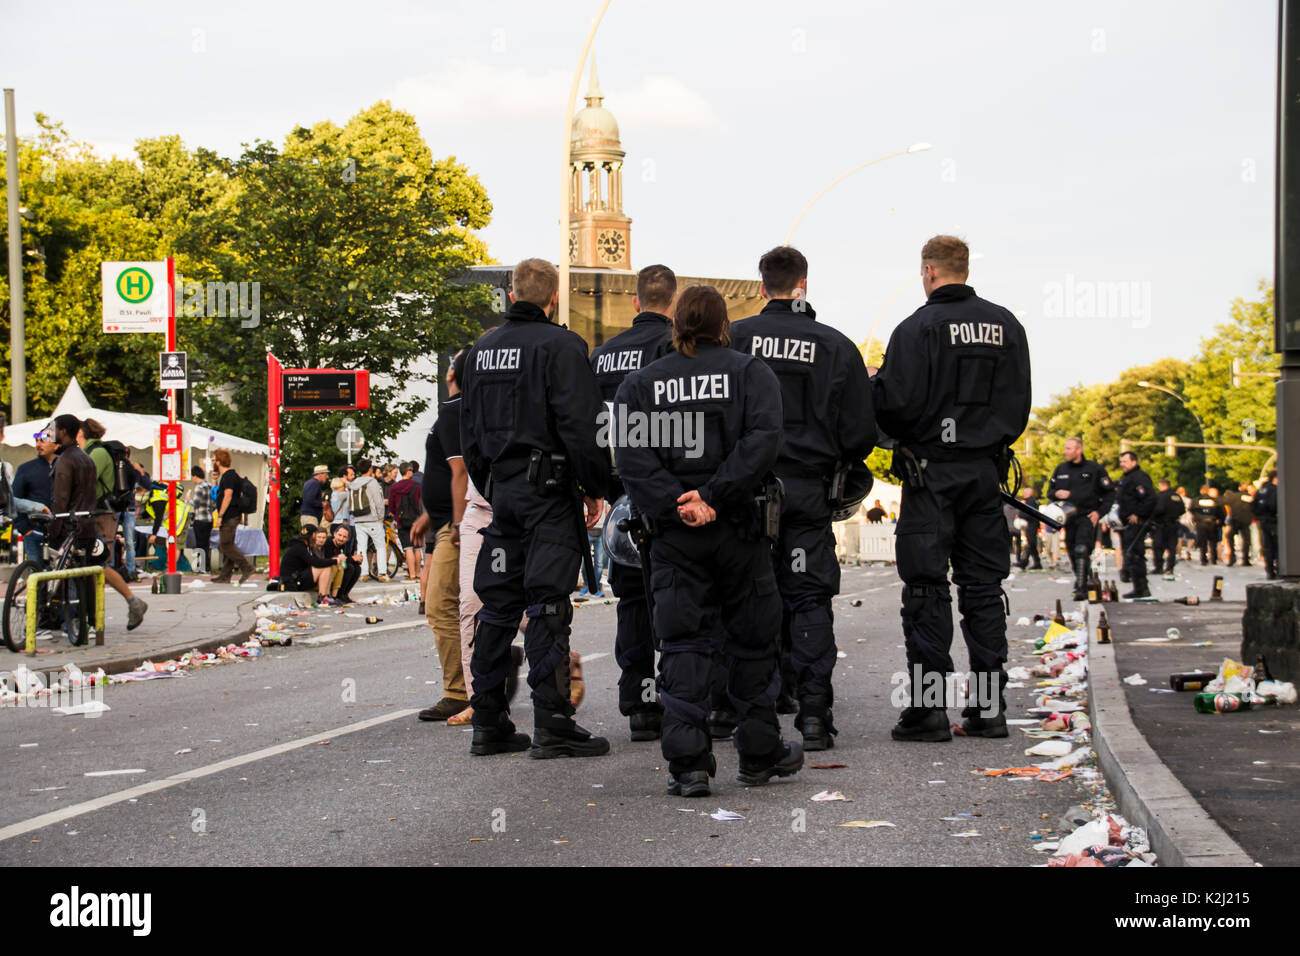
[1030,512]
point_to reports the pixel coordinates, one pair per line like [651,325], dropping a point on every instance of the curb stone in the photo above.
[245,627]
[1181,832]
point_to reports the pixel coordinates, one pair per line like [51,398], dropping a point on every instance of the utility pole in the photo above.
[17,332]
[1287,290]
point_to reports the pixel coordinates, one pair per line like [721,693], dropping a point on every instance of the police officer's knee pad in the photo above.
[555,615]
[975,597]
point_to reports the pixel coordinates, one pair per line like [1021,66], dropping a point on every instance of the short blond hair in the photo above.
[948,255]
[535,281]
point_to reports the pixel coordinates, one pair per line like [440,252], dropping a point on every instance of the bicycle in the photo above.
[62,605]
[393,545]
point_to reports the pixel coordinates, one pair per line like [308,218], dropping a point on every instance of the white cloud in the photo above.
[470,91]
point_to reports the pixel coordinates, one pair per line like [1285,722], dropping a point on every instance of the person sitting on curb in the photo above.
[342,548]
[304,566]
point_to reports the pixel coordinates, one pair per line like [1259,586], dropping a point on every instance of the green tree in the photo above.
[355,235]
[1245,415]
[79,211]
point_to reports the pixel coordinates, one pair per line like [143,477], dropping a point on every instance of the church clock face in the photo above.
[573,246]
[611,246]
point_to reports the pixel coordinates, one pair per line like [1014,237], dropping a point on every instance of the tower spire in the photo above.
[594,96]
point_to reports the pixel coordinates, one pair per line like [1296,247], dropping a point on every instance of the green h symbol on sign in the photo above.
[134,285]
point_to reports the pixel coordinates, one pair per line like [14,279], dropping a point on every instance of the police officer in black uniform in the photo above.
[649,338]
[1169,508]
[1084,486]
[711,562]
[1208,515]
[528,433]
[1136,497]
[1264,507]
[954,393]
[829,423]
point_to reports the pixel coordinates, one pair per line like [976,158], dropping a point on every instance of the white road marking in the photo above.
[121,796]
[372,629]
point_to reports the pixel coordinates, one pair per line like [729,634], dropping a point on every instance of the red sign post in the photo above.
[171,580]
[319,389]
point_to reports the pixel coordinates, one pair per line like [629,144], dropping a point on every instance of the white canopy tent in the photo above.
[140,434]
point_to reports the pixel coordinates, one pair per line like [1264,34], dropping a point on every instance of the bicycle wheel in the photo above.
[76,610]
[15,607]
[394,560]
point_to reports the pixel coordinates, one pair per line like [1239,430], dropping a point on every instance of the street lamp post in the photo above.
[1169,391]
[914,148]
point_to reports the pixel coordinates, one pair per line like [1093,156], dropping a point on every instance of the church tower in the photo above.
[600,236]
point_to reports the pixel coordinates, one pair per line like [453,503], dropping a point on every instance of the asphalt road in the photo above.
[287,767]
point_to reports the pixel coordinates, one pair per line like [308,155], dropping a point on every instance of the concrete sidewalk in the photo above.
[1222,789]
[202,617]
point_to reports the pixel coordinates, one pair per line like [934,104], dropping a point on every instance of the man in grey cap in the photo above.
[314,490]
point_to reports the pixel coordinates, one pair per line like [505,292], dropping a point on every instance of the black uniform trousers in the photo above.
[633,645]
[1080,538]
[1233,532]
[526,565]
[1166,546]
[1268,545]
[808,576]
[1026,543]
[1207,539]
[1133,540]
[956,517]
[704,579]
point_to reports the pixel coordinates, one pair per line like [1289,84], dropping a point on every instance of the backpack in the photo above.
[121,494]
[359,501]
[408,508]
[247,496]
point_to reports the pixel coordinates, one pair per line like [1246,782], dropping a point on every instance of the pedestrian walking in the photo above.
[1167,516]
[366,503]
[1264,508]
[1208,516]
[201,515]
[405,508]
[228,513]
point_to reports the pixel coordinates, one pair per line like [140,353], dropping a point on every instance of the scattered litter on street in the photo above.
[868,824]
[1135,680]
[828,795]
[723,815]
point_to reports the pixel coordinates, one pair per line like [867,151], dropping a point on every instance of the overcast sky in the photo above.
[1112,162]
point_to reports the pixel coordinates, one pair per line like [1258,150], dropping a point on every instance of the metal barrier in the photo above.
[857,540]
[34,581]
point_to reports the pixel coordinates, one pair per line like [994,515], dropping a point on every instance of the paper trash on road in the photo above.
[1135,680]
[723,815]
[91,708]
[1050,748]
[867,824]
[828,795]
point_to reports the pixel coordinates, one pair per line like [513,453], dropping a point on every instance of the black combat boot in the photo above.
[923,723]
[785,764]
[497,737]
[815,723]
[692,783]
[646,724]
[570,741]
